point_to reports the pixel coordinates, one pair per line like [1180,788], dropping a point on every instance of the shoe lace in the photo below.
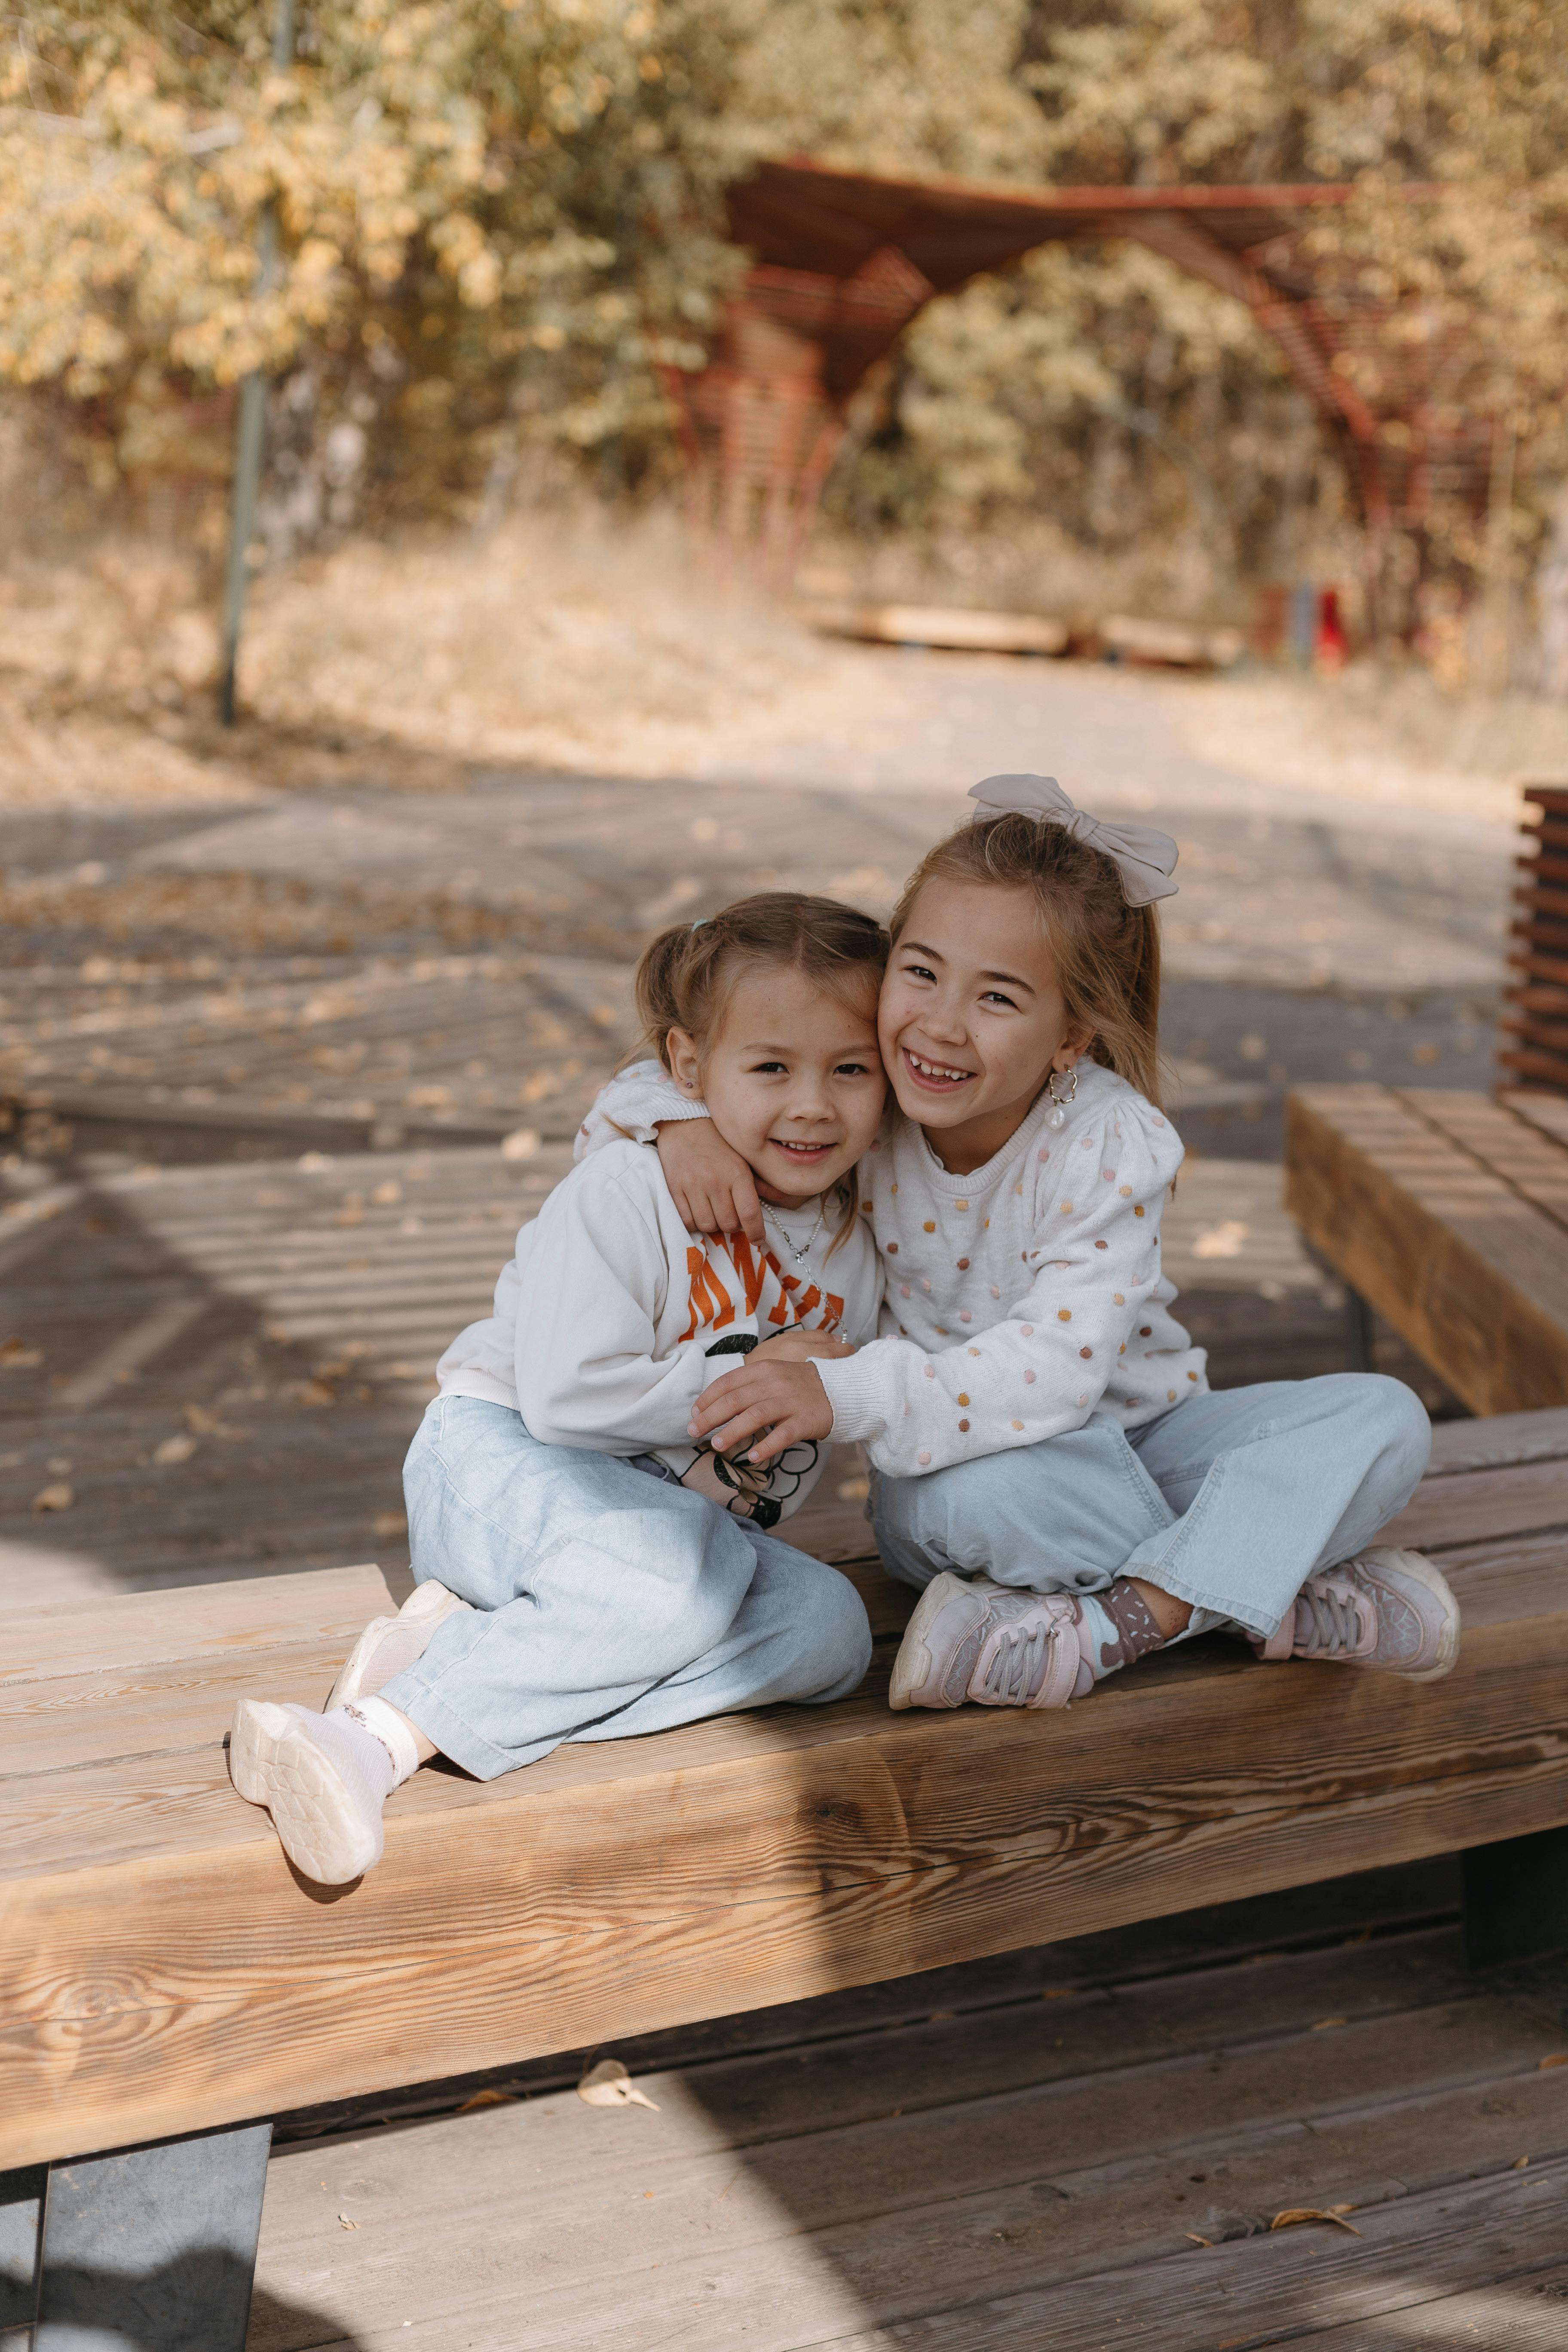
[1018,1658]
[1336,1624]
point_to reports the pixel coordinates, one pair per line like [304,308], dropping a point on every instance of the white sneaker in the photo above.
[390,1645]
[325,1803]
[972,1638]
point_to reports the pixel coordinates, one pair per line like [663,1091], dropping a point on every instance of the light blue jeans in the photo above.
[1229,1502]
[606,1601]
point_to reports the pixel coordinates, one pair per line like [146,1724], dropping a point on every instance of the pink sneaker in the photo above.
[1388,1608]
[972,1639]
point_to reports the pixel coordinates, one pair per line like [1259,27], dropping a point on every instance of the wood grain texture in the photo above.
[164,1970]
[213,1621]
[1470,1274]
[1505,2232]
[1502,1439]
[550,1910]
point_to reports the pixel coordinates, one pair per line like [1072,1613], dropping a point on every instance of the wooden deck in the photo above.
[1019,2153]
[229,1307]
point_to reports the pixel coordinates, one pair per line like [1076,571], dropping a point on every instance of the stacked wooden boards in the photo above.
[165,1970]
[1536,1020]
[1448,1213]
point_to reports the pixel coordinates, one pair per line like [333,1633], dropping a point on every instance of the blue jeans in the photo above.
[606,1601]
[1229,1502]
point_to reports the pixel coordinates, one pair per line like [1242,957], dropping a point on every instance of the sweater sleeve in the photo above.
[1045,1366]
[636,1102]
[589,1296]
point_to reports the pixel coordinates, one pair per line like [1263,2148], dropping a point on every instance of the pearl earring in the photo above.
[1058,1111]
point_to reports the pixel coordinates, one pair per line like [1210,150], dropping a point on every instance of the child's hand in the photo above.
[714,1189]
[786,1401]
[798,1346]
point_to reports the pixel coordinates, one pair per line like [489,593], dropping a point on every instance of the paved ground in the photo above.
[280,1048]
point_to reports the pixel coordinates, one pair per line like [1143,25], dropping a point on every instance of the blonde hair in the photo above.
[688,973]
[1107,953]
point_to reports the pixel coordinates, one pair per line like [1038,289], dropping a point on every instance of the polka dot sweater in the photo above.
[1017,1300]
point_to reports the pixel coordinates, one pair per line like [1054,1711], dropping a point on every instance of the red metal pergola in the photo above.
[845,260]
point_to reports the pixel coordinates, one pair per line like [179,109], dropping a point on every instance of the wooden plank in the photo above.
[1547,1112]
[1500,1439]
[1514,2314]
[886,2219]
[1503,2231]
[1534,1165]
[214,1620]
[168,1708]
[1115,2075]
[1475,1278]
[1467,1506]
[629,1886]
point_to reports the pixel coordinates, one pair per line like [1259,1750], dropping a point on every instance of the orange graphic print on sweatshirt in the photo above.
[731,1278]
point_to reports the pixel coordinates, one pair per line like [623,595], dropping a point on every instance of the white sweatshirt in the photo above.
[1019,1299]
[603,1317]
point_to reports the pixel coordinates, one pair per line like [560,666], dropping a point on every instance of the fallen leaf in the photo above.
[520,1144]
[58,1498]
[175,1449]
[385,1194]
[1558,2058]
[1195,2239]
[313,1392]
[1334,2213]
[608,2084]
[1228,1240]
[1323,2023]
[390,1522]
[344,2223]
[1520,2165]
[210,1424]
[17,1352]
[488,2099]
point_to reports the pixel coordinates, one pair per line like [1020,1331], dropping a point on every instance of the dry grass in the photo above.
[572,642]
[569,644]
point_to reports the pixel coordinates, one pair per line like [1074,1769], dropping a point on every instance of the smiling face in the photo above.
[792,1077]
[972,1020]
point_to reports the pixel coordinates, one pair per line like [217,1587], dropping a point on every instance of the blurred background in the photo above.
[633,454]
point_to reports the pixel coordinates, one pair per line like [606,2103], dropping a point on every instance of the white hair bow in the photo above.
[1145,859]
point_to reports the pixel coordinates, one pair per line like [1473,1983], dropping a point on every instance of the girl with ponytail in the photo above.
[585,1568]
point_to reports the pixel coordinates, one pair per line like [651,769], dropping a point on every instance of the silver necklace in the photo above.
[803,1251]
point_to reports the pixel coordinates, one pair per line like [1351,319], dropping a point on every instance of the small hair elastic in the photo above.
[1144,859]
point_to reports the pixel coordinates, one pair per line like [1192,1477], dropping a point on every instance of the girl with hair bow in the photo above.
[1050,1465]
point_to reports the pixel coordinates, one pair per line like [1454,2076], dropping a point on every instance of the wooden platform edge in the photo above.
[203,1988]
[1488,1337]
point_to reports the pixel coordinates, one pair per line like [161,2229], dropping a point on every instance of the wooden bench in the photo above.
[167,1976]
[1447,1213]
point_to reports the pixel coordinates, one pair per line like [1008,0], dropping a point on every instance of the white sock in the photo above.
[390,1730]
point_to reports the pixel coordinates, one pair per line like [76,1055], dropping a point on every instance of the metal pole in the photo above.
[251,430]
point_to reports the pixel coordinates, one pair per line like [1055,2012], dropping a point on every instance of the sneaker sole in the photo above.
[273,1761]
[1420,1570]
[912,1666]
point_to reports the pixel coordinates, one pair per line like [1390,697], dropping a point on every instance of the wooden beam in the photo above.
[164,1970]
[1470,1273]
